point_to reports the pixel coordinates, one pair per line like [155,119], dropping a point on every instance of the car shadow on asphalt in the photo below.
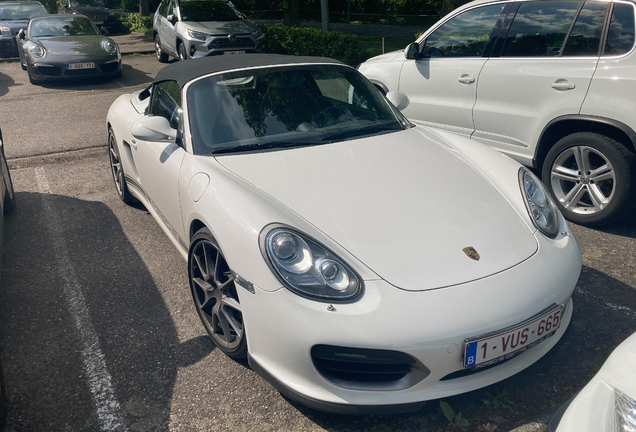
[49,359]
[623,228]
[5,82]
[604,316]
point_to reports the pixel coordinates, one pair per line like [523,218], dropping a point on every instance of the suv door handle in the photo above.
[466,79]
[562,84]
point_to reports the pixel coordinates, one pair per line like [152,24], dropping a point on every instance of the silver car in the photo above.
[199,28]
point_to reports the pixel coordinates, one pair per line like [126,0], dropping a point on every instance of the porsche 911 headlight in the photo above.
[258,33]
[110,47]
[542,209]
[623,419]
[37,51]
[307,268]
[198,35]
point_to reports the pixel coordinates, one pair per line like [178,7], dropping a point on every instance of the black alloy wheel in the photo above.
[117,170]
[592,178]
[215,295]
[161,56]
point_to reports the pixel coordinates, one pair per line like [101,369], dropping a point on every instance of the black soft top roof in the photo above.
[185,71]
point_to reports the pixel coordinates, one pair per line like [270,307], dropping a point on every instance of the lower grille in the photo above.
[366,368]
[108,67]
[80,72]
[226,43]
[50,70]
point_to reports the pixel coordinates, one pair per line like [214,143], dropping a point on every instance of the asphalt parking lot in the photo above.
[98,330]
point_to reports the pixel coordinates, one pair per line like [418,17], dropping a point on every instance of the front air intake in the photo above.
[367,369]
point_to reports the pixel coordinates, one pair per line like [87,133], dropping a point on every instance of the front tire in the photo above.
[117,169]
[9,196]
[592,178]
[31,80]
[161,56]
[183,55]
[215,295]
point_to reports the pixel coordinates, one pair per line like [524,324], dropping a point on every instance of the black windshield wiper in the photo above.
[354,133]
[262,146]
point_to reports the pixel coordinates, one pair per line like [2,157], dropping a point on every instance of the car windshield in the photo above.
[208,11]
[20,12]
[284,107]
[87,3]
[66,26]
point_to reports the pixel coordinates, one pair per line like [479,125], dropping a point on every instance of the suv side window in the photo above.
[465,35]
[163,8]
[166,102]
[620,37]
[585,37]
[539,29]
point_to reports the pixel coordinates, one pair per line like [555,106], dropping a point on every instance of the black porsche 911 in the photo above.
[58,47]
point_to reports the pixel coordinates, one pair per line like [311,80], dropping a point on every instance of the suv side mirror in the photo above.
[412,51]
[21,34]
[171,19]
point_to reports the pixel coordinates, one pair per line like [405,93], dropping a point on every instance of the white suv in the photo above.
[551,84]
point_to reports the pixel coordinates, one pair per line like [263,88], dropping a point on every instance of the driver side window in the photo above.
[465,35]
[166,102]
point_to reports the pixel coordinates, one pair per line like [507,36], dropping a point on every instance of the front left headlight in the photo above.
[110,47]
[198,35]
[623,419]
[37,51]
[307,268]
[258,33]
[539,203]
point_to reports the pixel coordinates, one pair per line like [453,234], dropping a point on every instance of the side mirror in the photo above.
[412,51]
[171,19]
[399,99]
[155,128]
[21,34]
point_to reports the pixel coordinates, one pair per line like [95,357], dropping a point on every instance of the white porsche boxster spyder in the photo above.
[361,263]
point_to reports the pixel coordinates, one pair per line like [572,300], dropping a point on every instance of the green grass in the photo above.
[372,45]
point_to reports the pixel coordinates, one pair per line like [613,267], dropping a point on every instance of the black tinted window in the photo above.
[539,29]
[620,37]
[585,37]
[465,35]
[163,8]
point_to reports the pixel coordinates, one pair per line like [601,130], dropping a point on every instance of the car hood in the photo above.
[74,46]
[221,27]
[15,26]
[406,204]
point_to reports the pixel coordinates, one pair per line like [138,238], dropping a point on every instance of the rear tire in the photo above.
[592,178]
[161,56]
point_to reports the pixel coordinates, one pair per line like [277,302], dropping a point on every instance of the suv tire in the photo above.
[183,55]
[592,178]
[161,56]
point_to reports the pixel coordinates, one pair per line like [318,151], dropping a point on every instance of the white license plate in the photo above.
[233,52]
[73,66]
[509,343]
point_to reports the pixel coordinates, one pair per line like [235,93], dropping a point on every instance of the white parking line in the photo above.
[99,380]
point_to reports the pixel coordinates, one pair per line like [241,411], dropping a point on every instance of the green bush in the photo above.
[136,22]
[304,41]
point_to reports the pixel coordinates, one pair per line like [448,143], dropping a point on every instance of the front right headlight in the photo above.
[623,419]
[308,268]
[543,211]
[198,35]
[109,46]
[37,51]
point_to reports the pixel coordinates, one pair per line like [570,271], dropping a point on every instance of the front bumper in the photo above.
[8,47]
[430,326]
[219,45]
[56,70]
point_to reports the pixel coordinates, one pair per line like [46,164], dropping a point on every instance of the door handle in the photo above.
[133,143]
[466,79]
[562,85]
